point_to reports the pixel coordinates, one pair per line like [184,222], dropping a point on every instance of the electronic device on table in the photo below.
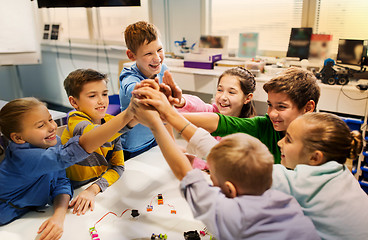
[351,52]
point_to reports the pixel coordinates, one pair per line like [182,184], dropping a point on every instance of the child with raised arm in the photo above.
[291,94]
[240,205]
[313,153]
[146,49]
[315,148]
[88,94]
[32,173]
[233,96]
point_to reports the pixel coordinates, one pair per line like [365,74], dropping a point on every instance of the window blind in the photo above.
[272,20]
[343,19]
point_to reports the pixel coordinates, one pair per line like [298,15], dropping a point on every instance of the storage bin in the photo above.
[364,185]
[364,169]
[353,124]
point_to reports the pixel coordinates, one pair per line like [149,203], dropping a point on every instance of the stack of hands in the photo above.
[152,101]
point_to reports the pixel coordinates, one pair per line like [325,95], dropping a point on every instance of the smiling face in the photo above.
[229,98]
[292,147]
[149,58]
[282,110]
[93,100]
[38,128]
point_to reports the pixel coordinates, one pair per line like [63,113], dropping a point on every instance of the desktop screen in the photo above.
[350,51]
[299,43]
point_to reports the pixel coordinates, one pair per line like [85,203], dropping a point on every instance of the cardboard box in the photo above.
[203,61]
[202,57]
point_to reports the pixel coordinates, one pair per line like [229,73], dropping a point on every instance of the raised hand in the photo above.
[151,97]
[145,114]
[170,88]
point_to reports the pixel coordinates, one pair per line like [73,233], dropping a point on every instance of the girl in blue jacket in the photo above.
[32,173]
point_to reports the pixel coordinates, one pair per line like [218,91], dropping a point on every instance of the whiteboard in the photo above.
[19,38]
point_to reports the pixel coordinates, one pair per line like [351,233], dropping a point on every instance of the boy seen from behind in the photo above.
[88,94]
[240,205]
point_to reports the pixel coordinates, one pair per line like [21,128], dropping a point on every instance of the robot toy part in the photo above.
[160,200]
[158,236]
[93,233]
[192,235]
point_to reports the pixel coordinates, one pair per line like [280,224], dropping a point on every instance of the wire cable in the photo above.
[70,42]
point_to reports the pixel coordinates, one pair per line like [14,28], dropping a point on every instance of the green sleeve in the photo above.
[260,127]
[228,125]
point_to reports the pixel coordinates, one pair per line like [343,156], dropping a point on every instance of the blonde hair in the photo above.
[299,84]
[245,161]
[12,114]
[139,33]
[329,134]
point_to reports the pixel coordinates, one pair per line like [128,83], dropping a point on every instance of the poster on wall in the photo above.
[248,45]
[320,46]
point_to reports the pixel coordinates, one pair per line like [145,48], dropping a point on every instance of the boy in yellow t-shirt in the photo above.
[88,94]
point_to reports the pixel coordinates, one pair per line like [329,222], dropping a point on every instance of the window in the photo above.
[94,24]
[343,19]
[73,22]
[272,20]
[115,19]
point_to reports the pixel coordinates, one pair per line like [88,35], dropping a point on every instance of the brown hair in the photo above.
[245,161]
[247,85]
[299,84]
[12,114]
[139,33]
[330,135]
[74,82]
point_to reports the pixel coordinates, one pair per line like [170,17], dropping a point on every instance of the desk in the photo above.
[56,115]
[334,98]
[145,176]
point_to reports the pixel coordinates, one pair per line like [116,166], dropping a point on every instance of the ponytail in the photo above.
[356,144]
[329,134]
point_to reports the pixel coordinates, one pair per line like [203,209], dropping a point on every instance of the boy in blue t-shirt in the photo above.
[145,48]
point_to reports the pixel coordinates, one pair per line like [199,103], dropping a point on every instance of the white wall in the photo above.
[177,19]
[45,81]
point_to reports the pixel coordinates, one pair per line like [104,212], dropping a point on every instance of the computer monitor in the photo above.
[299,43]
[350,51]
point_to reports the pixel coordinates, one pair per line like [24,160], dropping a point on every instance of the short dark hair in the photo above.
[74,82]
[299,84]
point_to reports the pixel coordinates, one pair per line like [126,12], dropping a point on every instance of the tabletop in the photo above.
[145,176]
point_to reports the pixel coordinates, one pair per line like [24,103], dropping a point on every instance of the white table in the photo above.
[145,176]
